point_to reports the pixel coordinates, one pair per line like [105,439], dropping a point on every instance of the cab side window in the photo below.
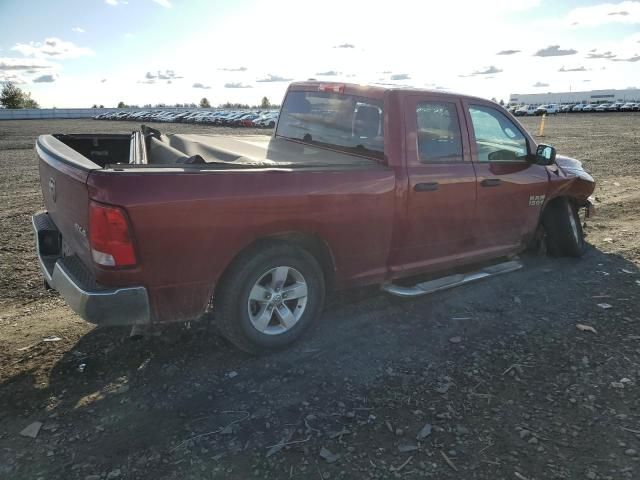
[439,137]
[497,138]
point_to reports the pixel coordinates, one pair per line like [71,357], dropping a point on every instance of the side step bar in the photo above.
[451,281]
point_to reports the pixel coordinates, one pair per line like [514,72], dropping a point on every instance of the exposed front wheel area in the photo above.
[269,297]
[563,229]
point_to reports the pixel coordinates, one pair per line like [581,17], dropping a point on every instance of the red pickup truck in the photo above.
[358,185]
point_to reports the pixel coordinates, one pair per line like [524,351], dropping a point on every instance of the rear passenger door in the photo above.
[437,229]
[511,189]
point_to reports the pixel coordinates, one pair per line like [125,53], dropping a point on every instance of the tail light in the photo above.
[110,236]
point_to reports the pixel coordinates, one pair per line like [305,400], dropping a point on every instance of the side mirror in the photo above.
[545,154]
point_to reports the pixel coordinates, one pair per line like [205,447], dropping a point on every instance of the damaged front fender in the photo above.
[568,178]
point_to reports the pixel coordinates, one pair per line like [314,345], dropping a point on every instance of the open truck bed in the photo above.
[149,148]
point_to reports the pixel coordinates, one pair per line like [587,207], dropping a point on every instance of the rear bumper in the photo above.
[95,303]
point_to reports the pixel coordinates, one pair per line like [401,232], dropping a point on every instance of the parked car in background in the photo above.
[603,107]
[578,107]
[615,107]
[247,120]
[525,110]
[254,118]
[588,108]
[566,108]
[550,109]
[268,120]
[629,107]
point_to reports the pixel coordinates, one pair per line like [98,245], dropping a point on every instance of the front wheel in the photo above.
[564,230]
[269,297]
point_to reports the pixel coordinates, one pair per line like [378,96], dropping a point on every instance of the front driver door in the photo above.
[511,189]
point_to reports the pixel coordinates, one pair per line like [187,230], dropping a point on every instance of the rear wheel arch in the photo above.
[312,244]
[263,326]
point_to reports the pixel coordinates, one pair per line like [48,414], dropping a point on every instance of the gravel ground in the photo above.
[524,376]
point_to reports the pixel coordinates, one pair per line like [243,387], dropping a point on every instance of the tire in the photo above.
[563,229]
[272,124]
[248,306]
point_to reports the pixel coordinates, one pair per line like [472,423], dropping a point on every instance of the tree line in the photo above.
[13,97]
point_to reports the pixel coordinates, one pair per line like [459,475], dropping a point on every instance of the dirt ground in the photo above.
[489,381]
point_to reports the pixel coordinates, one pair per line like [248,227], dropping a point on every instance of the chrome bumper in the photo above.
[93,302]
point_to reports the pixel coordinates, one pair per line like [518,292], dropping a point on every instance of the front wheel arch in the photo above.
[562,228]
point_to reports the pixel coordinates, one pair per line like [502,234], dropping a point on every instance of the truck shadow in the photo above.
[131,396]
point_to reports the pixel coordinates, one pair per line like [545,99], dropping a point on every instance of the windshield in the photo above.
[345,122]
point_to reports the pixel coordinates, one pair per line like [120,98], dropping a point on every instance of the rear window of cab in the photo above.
[343,122]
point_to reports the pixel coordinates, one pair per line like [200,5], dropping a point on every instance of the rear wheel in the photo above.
[564,230]
[269,297]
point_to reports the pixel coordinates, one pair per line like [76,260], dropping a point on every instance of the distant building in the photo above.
[592,96]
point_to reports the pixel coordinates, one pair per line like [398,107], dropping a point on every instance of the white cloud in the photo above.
[78,29]
[12,77]
[22,70]
[25,64]
[163,75]
[48,78]
[623,12]
[52,48]
[234,69]
[115,3]
[555,51]
[572,69]
[236,85]
[273,78]
[164,3]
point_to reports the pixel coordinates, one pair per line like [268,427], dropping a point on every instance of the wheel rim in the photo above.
[277,300]
[574,224]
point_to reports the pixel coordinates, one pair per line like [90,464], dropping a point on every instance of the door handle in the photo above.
[425,187]
[491,182]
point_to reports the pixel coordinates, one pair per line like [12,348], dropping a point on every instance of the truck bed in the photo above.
[149,148]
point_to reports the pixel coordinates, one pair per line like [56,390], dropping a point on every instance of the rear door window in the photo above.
[438,131]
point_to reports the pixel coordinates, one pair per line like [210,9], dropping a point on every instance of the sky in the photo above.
[76,53]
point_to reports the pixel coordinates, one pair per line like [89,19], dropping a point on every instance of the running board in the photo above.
[451,281]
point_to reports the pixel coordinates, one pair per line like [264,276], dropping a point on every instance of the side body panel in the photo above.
[189,226]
